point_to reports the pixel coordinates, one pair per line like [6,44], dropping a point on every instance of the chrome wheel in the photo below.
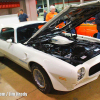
[39,78]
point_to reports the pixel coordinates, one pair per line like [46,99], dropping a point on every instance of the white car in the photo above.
[56,58]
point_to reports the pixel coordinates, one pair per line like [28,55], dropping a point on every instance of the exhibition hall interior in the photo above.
[49,49]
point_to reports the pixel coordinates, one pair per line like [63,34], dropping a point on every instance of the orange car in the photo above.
[89,28]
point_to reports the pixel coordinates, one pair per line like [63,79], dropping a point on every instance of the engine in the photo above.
[70,50]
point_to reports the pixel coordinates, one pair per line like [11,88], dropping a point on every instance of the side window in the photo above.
[7,33]
[25,32]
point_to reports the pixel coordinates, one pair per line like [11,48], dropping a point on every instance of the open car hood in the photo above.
[72,16]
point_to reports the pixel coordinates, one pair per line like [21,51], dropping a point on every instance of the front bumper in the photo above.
[90,76]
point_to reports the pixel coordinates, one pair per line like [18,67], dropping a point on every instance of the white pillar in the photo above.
[43,5]
[31,9]
[63,4]
[81,1]
[48,9]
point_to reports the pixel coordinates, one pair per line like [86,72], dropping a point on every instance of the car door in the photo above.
[9,48]
[20,51]
[20,54]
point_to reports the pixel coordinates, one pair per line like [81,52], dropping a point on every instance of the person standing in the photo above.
[51,14]
[22,17]
[97,21]
[38,12]
[45,13]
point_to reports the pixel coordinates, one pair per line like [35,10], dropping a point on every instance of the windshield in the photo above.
[25,32]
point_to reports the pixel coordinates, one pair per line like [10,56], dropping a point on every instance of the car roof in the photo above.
[21,24]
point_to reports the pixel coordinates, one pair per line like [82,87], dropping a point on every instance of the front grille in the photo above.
[94,69]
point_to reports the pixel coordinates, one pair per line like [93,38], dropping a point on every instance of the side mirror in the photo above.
[9,41]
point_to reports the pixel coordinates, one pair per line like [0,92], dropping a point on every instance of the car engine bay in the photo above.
[67,48]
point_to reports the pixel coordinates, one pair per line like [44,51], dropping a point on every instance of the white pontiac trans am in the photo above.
[56,58]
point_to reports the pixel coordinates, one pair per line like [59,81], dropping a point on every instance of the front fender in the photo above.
[61,74]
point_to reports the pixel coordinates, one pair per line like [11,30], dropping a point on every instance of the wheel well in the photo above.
[31,63]
[95,35]
[30,66]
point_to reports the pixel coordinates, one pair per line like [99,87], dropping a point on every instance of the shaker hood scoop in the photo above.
[72,16]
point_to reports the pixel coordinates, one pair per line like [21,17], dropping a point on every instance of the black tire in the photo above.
[47,87]
[95,35]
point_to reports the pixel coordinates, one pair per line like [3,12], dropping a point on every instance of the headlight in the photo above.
[81,73]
